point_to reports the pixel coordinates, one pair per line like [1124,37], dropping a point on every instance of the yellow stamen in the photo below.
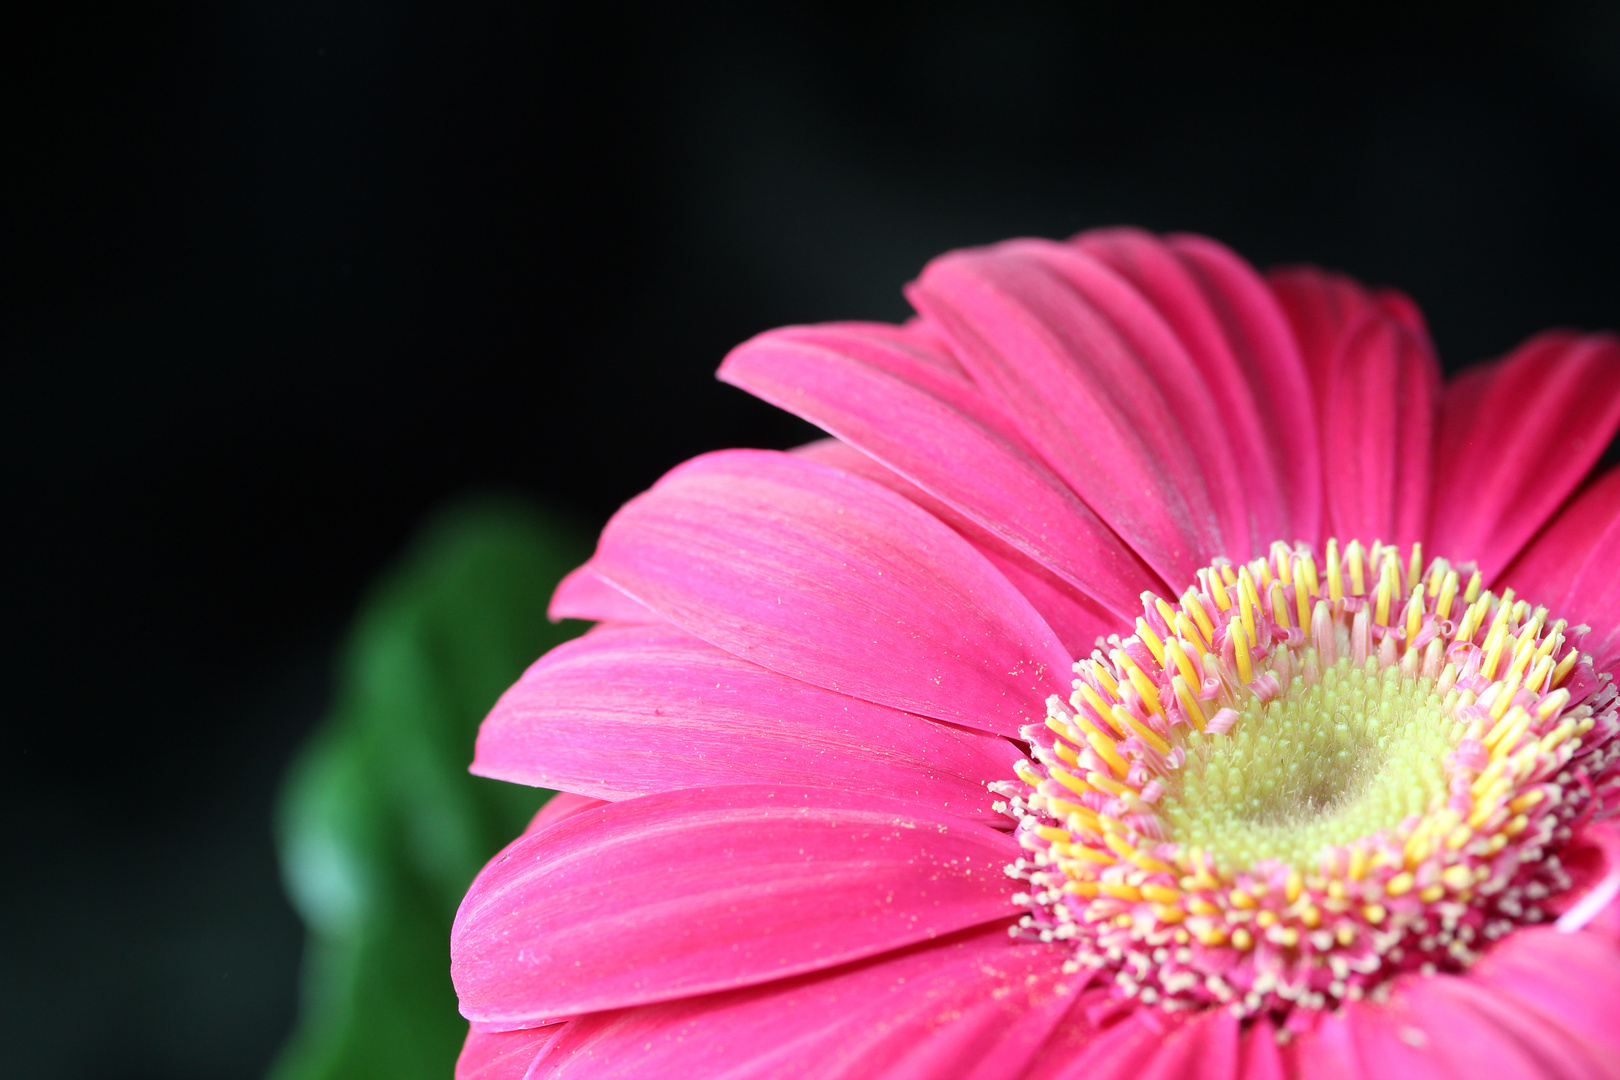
[1240,646]
[1437,574]
[1193,606]
[1104,677]
[1448,595]
[1565,666]
[1505,733]
[1108,752]
[1334,573]
[1147,734]
[1139,679]
[1108,783]
[1247,600]
[1551,641]
[1414,618]
[1537,679]
[1493,651]
[1150,639]
[1358,579]
[1386,588]
[1504,610]
[1472,592]
[1166,611]
[1527,800]
[1281,556]
[1073,783]
[1504,696]
[1090,854]
[1279,605]
[1307,566]
[1101,707]
[1063,730]
[1178,662]
[1189,703]
[1414,568]
[1550,741]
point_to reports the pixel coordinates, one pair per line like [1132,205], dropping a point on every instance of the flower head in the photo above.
[1158,671]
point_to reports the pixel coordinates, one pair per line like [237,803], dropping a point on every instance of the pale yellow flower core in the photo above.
[1318,767]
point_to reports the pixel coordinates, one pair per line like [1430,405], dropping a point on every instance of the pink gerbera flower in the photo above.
[1159,673]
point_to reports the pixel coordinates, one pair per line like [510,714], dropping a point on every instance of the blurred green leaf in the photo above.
[381,827]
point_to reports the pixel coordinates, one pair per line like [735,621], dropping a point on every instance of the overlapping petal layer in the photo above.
[693,891]
[634,710]
[835,581]
[967,1006]
[1516,437]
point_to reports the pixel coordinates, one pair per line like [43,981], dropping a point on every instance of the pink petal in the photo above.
[689,892]
[1329,1051]
[1206,1047]
[503,1055]
[564,804]
[1444,1026]
[944,436]
[1569,567]
[1376,383]
[1079,1051]
[1480,1032]
[1096,384]
[1516,438]
[1075,618]
[1566,982]
[1236,334]
[636,710]
[1262,1059]
[973,1007]
[584,595]
[833,580]
[1548,567]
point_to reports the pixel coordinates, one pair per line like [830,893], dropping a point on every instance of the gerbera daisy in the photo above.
[1158,673]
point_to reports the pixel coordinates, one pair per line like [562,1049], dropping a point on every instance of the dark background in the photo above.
[280,278]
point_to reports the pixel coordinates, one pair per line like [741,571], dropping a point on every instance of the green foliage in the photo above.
[381,826]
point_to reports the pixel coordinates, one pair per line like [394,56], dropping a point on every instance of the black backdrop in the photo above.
[279,278]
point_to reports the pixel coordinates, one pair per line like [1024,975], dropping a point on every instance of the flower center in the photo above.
[1297,782]
[1317,768]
